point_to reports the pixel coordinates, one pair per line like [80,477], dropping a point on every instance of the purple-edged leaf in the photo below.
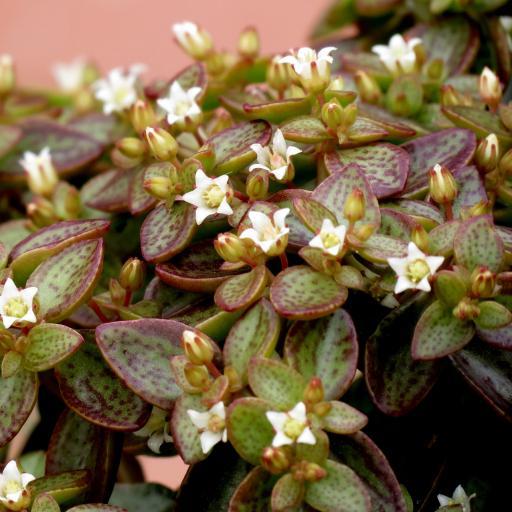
[396,382]
[312,213]
[70,149]
[115,195]
[425,213]
[50,344]
[139,352]
[90,388]
[442,238]
[97,507]
[255,333]
[452,148]
[363,131]
[31,251]
[397,127]
[378,248]
[196,269]
[368,62]
[343,419]
[277,111]
[396,224]
[139,495]
[385,166]
[45,503]
[13,232]
[301,293]
[18,395]
[505,235]
[67,279]
[9,137]
[333,192]
[139,201]
[239,292]
[93,187]
[340,490]
[62,487]
[254,492]
[470,191]
[306,129]
[438,333]
[477,243]
[499,338]
[166,233]
[249,430]
[360,453]
[493,315]
[488,371]
[106,129]
[287,493]
[325,348]
[276,382]
[192,76]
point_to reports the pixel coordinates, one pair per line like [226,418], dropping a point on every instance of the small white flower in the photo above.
[118,91]
[16,305]
[274,159]
[268,234]
[70,75]
[459,498]
[13,485]
[291,427]
[210,196]
[489,87]
[156,429]
[399,54]
[330,239]
[41,174]
[211,424]
[195,41]
[414,270]
[181,105]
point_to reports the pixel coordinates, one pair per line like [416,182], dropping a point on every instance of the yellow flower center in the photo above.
[293,428]
[216,423]
[276,161]
[11,486]
[120,95]
[15,307]
[213,196]
[417,270]
[329,240]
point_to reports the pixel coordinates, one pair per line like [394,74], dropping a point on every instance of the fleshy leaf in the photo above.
[249,430]
[301,293]
[31,251]
[450,287]
[325,348]
[97,507]
[312,213]
[306,129]
[254,492]
[115,195]
[343,419]
[499,338]
[438,333]
[396,224]
[493,315]
[18,395]
[287,493]
[93,187]
[477,243]
[470,189]
[421,211]
[442,237]
[13,232]
[67,279]
[140,201]
[256,332]
[166,233]
[106,129]
[340,490]
[62,487]
[364,130]
[276,383]
[397,127]
[45,503]
[369,63]
[140,495]
[378,248]
[9,137]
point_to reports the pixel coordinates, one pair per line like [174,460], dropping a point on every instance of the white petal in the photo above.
[225,435]
[403,284]
[225,208]
[434,262]
[8,320]
[199,419]
[29,316]
[291,151]
[298,412]
[423,285]
[260,221]
[280,172]
[325,53]
[414,253]
[14,496]
[221,181]
[201,179]
[279,218]
[306,437]
[253,167]
[11,472]
[281,439]
[209,440]
[28,294]
[340,232]
[251,234]
[278,143]
[219,410]
[288,59]
[443,500]
[316,242]
[193,92]
[399,265]
[277,419]
[10,290]
[202,213]
[194,197]
[334,250]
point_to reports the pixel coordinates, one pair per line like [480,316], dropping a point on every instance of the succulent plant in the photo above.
[276,267]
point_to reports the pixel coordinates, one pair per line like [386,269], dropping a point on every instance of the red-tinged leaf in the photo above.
[470,189]
[397,127]
[305,129]
[192,76]
[13,232]
[139,495]
[106,129]
[97,507]
[343,419]
[312,213]
[9,137]
[278,111]
[378,248]
[139,200]
[114,197]
[287,493]
[396,224]
[363,131]
[62,487]
[425,213]
[45,503]
[499,338]
[442,237]
[254,492]
[67,279]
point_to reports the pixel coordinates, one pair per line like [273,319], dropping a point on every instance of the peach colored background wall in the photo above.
[121,32]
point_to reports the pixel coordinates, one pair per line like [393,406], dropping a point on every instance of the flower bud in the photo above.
[249,43]
[41,212]
[506,163]
[197,347]
[435,69]
[483,282]
[235,381]
[309,471]
[443,187]
[450,97]
[7,75]
[276,460]
[332,114]
[279,75]
[162,144]
[336,84]
[121,160]
[131,147]
[367,87]
[142,115]
[160,187]
[131,276]
[257,184]
[42,177]
[230,247]
[322,408]
[117,292]
[314,392]
[197,375]
[466,309]
[364,231]
[354,208]
[405,96]
[490,88]
[420,238]
[193,40]
[487,154]
[66,201]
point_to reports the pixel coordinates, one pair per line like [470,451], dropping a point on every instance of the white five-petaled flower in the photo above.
[210,196]
[118,91]
[459,497]
[211,424]
[41,174]
[291,427]
[70,75]
[156,430]
[270,235]
[276,158]
[415,269]
[181,105]
[398,56]
[13,485]
[194,40]
[330,238]
[16,305]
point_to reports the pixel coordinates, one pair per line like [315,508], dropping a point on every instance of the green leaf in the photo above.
[312,213]
[438,333]
[442,237]
[368,62]
[249,430]
[450,288]
[287,493]
[340,490]
[305,129]
[493,315]
[12,232]
[90,388]
[256,332]
[364,130]
[378,248]
[396,224]
[33,462]
[18,395]
[91,188]
[425,213]
[114,196]
[165,233]
[253,493]
[139,496]
[301,293]
[50,344]
[325,348]
[470,189]
[317,452]
[140,201]
[96,507]
[62,487]
[477,243]
[239,292]
[11,363]
[9,137]
[45,503]
[106,129]
[343,419]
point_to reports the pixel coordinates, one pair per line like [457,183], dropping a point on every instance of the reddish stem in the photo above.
[448,211]
[127,298]
[284,261]
[213,370]
[241,196]
[290,184]
[98,311]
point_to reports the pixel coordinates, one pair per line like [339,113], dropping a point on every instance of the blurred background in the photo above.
[38,33]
